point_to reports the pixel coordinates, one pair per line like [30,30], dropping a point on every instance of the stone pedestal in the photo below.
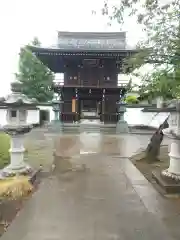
[122,126]
[56,116]
[159,102]
[17,164]
[173,172]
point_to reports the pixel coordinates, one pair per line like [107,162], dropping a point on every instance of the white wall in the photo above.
[48,108]
[135,116]
[33,116]
[3,115]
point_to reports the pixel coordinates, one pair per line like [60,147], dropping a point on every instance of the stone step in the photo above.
[79,128]
[90,128]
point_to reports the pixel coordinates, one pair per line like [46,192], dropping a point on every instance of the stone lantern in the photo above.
[122,126]
[17,111]
[56,108]
[56,124]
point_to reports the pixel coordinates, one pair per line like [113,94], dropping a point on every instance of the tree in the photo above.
[35,77]
[161,24]
[156,84]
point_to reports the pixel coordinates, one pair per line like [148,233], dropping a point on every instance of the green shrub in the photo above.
[131,100]
[4,149]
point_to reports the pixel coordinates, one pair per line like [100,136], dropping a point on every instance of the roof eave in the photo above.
[77,50]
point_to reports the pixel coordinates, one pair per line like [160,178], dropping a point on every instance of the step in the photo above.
[79,128]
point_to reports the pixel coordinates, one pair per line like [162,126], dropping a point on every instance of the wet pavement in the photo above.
[103,196]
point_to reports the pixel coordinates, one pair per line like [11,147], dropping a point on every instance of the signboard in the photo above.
[91,44]
[73,105]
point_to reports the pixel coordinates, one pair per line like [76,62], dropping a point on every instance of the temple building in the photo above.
[88,69]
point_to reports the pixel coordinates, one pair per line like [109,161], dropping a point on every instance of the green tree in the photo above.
[156,84]
[35,77]
[161,24]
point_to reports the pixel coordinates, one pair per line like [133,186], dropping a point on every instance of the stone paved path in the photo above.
[109,200]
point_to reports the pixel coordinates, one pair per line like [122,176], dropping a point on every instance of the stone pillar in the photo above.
[122,126]
[173,132]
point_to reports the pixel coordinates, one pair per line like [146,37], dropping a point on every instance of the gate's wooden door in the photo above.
[90,76]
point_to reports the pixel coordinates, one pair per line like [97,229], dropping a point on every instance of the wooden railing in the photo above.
[75,117]
[69,117]
[109,117]
[90,85]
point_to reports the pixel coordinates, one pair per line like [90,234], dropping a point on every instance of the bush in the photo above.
[131,100]
[4,149]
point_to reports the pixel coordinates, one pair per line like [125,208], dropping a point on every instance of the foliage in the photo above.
[157,84]
[4,149]
[35,77]
[131,99]
[129,86]
[161,24]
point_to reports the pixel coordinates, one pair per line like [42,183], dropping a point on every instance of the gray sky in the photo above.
[21,20]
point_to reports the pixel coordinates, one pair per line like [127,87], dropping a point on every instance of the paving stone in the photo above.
[105,202]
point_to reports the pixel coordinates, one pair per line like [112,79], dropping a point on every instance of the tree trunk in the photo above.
[153,148]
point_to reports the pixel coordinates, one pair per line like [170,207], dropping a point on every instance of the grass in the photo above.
[4,149]
[15,187]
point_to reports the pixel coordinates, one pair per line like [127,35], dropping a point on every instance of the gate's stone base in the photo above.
[122,127]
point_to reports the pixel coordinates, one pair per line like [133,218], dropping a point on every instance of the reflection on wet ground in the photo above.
[108,200]
[123,145]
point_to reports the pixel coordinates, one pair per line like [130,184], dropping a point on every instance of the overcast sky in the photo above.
[21,20]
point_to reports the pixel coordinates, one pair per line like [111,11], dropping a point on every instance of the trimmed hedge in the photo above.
[131,100]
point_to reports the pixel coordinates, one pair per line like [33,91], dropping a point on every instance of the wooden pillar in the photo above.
[73,105]
[103,106]
[77,106]
[79,77]
[60,105]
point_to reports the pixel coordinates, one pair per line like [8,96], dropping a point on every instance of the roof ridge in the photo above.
[116,35]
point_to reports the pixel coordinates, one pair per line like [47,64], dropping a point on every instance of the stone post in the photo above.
[173,132]
[159,102]
[122,126]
